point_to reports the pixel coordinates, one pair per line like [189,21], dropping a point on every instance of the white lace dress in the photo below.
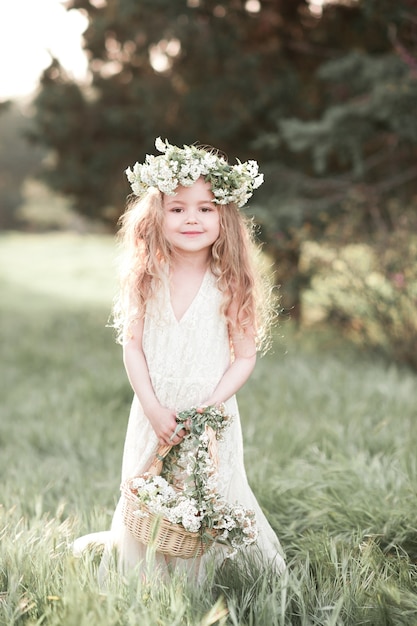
[186,359]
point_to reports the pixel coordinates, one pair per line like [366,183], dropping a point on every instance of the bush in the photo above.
[368,289]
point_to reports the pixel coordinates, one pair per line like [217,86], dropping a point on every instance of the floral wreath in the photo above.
[183,166]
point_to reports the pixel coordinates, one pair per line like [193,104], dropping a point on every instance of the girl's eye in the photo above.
[176,209]
[206,209]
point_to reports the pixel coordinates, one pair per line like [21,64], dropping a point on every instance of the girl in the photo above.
[191,314]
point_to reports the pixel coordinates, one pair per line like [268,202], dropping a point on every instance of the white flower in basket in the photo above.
[180,511]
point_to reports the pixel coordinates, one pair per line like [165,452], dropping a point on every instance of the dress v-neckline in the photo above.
[193,301]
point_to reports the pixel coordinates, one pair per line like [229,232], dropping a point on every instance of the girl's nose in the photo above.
[191,217]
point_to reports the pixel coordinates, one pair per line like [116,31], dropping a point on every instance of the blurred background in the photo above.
[323,93]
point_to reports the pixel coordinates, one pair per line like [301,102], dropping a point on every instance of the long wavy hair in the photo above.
[235,262]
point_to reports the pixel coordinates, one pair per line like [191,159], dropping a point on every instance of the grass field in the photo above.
[330,439]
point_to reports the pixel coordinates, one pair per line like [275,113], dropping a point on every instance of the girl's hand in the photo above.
[164,423]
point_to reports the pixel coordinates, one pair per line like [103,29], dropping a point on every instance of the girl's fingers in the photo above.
[175,438]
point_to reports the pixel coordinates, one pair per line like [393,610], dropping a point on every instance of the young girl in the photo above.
[191,315]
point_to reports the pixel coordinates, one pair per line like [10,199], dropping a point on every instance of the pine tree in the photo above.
[363,144]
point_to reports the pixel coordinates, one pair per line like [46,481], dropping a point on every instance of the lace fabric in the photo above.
[186,359]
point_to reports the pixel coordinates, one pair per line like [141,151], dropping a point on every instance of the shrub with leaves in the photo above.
[368,289]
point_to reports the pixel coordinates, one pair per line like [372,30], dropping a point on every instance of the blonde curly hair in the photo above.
[235,262]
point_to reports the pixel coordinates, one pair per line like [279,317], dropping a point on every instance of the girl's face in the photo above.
[191,219]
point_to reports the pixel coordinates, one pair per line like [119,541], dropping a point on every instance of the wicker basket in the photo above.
[168,538]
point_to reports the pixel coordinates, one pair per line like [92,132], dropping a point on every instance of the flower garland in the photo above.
[183,166]
[197,506]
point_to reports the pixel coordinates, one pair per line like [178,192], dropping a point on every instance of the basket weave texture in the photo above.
[168,538]
[165,536]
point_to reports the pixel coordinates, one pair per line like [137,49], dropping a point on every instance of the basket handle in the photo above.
[155,467]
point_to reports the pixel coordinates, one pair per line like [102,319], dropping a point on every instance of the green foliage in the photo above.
[330,441]
[369,289]
[42,210]
[383,95]
[17,161]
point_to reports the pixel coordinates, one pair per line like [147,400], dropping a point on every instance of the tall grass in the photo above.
[330,441]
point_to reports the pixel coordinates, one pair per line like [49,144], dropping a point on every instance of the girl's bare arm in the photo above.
[237,374]
[162,420]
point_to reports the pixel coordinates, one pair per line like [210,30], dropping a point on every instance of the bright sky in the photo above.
[28,29]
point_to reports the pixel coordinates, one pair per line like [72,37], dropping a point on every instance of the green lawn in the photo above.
[330,438]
